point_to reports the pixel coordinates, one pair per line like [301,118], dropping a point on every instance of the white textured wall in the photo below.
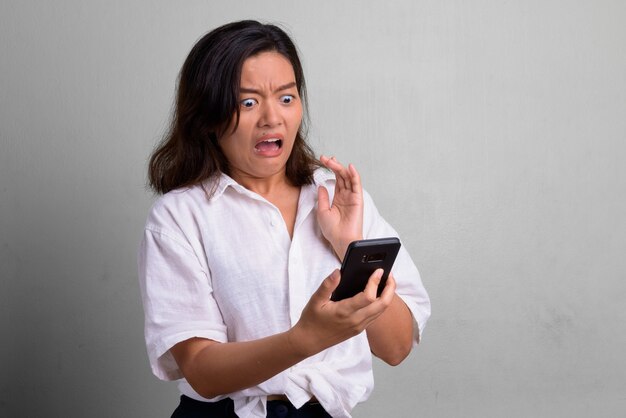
[491,134]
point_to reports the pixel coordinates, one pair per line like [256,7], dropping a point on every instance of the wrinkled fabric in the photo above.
[225,268]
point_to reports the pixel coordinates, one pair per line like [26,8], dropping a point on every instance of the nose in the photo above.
[269,114]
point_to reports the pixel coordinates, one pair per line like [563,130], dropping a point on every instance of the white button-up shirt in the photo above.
[224,268]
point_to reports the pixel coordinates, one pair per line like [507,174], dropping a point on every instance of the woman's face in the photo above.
[270,116]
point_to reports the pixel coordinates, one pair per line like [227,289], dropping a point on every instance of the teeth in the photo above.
[272,140]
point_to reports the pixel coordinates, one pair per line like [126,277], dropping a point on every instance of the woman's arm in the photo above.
[391,335]
[213,368]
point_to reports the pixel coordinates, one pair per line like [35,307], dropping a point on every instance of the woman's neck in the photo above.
[269,186]
[277,190]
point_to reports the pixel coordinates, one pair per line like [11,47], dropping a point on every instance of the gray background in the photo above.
[491,134]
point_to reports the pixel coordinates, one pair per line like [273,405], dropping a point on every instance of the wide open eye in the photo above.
[287,98]
[248,102]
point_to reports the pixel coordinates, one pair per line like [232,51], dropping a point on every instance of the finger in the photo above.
[368,313]
[350,177]
[330,162]
[323,199]
[342,174]
[373,310]
[355,179]
[371,288]
[326,289]
[368,295]
[389,290]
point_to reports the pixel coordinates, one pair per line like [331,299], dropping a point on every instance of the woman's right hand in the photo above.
[324,323]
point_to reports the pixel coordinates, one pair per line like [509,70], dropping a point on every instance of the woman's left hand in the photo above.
[342,221]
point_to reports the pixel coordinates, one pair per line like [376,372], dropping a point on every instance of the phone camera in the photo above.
[373,258]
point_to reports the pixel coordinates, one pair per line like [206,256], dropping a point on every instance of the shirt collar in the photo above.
[322,176]
[218,186]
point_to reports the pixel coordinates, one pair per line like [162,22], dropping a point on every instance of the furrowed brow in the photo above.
[286,86]
[256,91]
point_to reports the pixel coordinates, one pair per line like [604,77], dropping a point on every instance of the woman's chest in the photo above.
[260,276]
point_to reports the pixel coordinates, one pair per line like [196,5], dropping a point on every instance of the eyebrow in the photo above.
[280,88]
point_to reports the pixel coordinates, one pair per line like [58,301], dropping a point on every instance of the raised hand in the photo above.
[342,221]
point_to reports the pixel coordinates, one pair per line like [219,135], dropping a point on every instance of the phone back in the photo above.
[361,260]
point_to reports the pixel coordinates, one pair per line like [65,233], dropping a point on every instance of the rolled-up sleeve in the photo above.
[177,298]
[409,283]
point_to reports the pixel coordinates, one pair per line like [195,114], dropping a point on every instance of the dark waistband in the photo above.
[190,407]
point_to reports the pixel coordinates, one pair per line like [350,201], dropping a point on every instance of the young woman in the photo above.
[241,253]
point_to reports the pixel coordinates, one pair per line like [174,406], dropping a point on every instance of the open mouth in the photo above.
[269,145]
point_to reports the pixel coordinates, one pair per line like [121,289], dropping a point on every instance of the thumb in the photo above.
[323,200]
[326,289]
[371,288]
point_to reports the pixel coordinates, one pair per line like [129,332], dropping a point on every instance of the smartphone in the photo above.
[361,260]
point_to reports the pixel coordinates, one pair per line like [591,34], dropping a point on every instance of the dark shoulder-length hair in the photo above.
[207,100]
